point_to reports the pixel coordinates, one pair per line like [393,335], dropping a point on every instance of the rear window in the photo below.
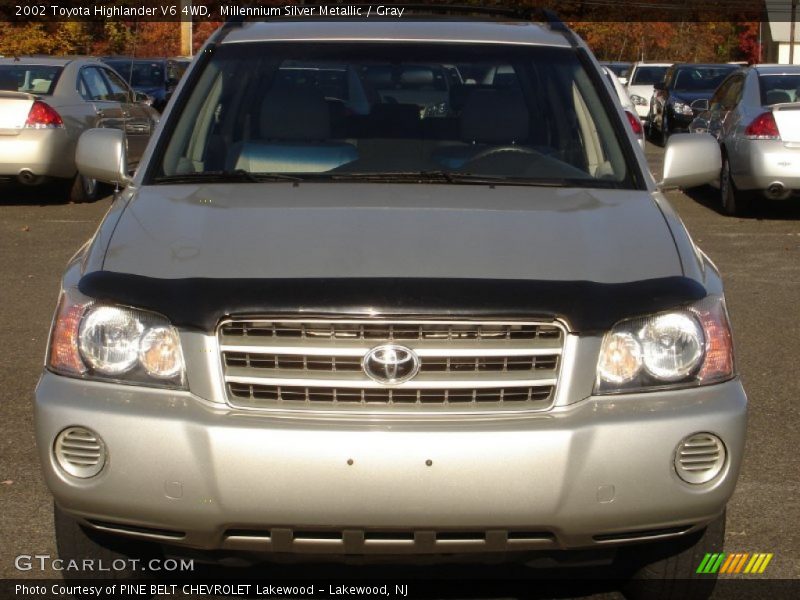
[778,89]
[331,110]
[34,79]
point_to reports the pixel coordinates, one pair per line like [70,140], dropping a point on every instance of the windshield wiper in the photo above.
[453,177]
[238,175]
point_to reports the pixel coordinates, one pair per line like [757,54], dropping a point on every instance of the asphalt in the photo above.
[759,258]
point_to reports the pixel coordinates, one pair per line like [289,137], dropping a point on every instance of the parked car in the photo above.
[484,332]
[671,107]
[620,68]
[156,77]
[627,106]
[755,115]
[643,76]
[45,105]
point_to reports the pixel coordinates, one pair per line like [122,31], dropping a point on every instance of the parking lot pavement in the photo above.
[759,258]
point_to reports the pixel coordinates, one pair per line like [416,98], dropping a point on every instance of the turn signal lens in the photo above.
[63,355]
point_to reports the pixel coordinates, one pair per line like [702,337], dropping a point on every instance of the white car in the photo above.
[642,78]
[627,106]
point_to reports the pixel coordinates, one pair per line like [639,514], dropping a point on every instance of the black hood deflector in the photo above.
[200,303]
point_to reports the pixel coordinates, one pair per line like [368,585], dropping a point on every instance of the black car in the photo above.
[671,108]
[156,77]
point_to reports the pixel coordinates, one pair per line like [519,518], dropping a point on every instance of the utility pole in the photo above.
[791,32]
[186,28]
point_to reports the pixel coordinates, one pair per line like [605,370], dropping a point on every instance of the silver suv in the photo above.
[458,319]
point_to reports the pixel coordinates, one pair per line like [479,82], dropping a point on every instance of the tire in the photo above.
[74,542]
[734,202]
[83,189]
[668,570]
[664,128]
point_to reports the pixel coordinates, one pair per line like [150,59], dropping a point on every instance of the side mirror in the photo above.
[691,159]
[143,98]
[623,80]
[700,104]
[102,155]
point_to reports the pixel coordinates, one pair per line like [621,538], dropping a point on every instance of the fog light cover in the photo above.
[699,458]
[79,452]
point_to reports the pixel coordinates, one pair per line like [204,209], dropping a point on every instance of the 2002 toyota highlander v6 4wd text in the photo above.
[393,288]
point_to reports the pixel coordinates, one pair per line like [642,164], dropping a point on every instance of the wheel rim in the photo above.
[89,186]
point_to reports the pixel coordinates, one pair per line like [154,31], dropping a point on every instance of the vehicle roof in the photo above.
[647,63]
[777,69]
[712,65]
[46,60]
[434,30]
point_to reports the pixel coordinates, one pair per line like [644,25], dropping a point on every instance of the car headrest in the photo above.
[778,97]
[495,117]
[417,76]
[295,114]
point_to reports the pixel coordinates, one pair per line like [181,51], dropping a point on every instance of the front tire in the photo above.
[668,570]
[76,543]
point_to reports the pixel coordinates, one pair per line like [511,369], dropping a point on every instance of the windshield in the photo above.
[34,79]
[140,74]
[648,75]
[333,111]
[700,79]
[777,89]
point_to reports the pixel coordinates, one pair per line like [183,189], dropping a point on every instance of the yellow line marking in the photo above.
[765,563]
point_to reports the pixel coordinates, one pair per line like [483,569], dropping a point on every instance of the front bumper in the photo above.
[43,152]
[190,473]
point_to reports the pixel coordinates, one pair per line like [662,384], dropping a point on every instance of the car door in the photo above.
[94,88]
[715,113]
[138,121]
[729,116]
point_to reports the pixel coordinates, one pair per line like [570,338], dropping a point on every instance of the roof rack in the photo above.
[522,13]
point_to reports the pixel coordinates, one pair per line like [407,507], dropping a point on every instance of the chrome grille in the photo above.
[316,364]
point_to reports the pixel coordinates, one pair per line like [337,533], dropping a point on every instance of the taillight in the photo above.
[763,127]
[636,124]
[43,116]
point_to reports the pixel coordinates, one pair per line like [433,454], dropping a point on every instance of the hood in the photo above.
[344,230]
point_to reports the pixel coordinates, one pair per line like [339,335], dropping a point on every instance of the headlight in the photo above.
[681,108]
[680,348]
[99,341]
[638,100]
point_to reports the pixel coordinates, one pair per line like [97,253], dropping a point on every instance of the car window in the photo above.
[34,79]
[733,93]
[648,75]
[715,103]
[147,74]
[118,90]
[530,113]
[92,85]
[777,89]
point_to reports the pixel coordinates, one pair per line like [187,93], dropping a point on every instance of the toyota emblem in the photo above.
[390,364]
